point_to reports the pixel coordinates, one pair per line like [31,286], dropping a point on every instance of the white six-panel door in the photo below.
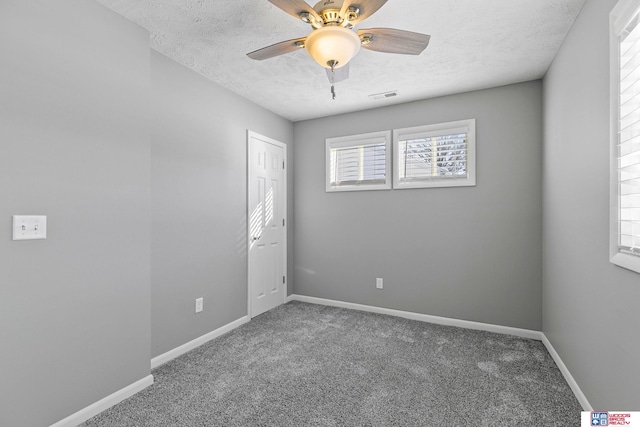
[266,219]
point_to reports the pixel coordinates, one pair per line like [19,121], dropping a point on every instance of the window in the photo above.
[358,162]
[625,135]
[441,155]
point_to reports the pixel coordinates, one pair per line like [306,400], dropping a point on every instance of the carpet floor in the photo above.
[310,365]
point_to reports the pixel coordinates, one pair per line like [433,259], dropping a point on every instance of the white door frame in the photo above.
[250,135]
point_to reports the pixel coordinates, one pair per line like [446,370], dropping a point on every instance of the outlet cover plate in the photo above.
[199,305]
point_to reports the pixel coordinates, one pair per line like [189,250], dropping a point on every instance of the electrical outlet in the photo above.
[379,283]
[199,305]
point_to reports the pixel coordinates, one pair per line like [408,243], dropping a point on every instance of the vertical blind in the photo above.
[362,164]
[442,156]
[628,149]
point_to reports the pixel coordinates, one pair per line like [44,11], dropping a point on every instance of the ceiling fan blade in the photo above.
[276,49]
[338,75]
[367,8]
[295,8]
[391,40]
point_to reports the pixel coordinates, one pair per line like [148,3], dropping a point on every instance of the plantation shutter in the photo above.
[363,164]
[433,156]
[628,149]
[358,162]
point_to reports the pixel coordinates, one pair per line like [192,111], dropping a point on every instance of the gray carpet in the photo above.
[310,365]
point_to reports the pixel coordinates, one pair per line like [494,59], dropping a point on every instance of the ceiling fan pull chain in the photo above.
[333,64]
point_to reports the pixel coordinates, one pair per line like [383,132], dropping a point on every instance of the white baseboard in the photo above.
[111,400]
[184,348]
[524,333]
[104,404]
[586,406]
[468,324]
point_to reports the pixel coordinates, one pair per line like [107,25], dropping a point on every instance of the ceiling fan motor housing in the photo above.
[331,16]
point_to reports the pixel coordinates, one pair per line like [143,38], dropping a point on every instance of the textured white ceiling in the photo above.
[475,44]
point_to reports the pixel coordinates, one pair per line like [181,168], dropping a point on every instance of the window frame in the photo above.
[446,128]
[354,141]
[621,15]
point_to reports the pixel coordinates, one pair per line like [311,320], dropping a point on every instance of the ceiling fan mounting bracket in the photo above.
[306,17]
[353,13]
[366,39]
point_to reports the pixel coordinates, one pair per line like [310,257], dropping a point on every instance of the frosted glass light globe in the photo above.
[332,43]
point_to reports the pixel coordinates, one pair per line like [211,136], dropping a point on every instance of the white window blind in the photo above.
[443,156]
[628,144]
[438,155]
[358,162]
[362,164]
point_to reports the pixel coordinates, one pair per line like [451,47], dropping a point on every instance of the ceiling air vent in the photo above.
[384,95]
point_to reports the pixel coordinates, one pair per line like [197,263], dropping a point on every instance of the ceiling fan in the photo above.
[333,42]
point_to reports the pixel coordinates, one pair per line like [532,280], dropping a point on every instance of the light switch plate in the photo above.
[29,227]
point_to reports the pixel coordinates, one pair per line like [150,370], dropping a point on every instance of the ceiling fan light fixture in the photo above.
[332,45]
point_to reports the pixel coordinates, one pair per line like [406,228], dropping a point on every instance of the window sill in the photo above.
[435,183]
[335,189]
[630,262]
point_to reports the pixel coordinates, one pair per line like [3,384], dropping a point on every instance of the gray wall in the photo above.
[590,306]
[198,208]
[74,145]
[140,166]
[470,253]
